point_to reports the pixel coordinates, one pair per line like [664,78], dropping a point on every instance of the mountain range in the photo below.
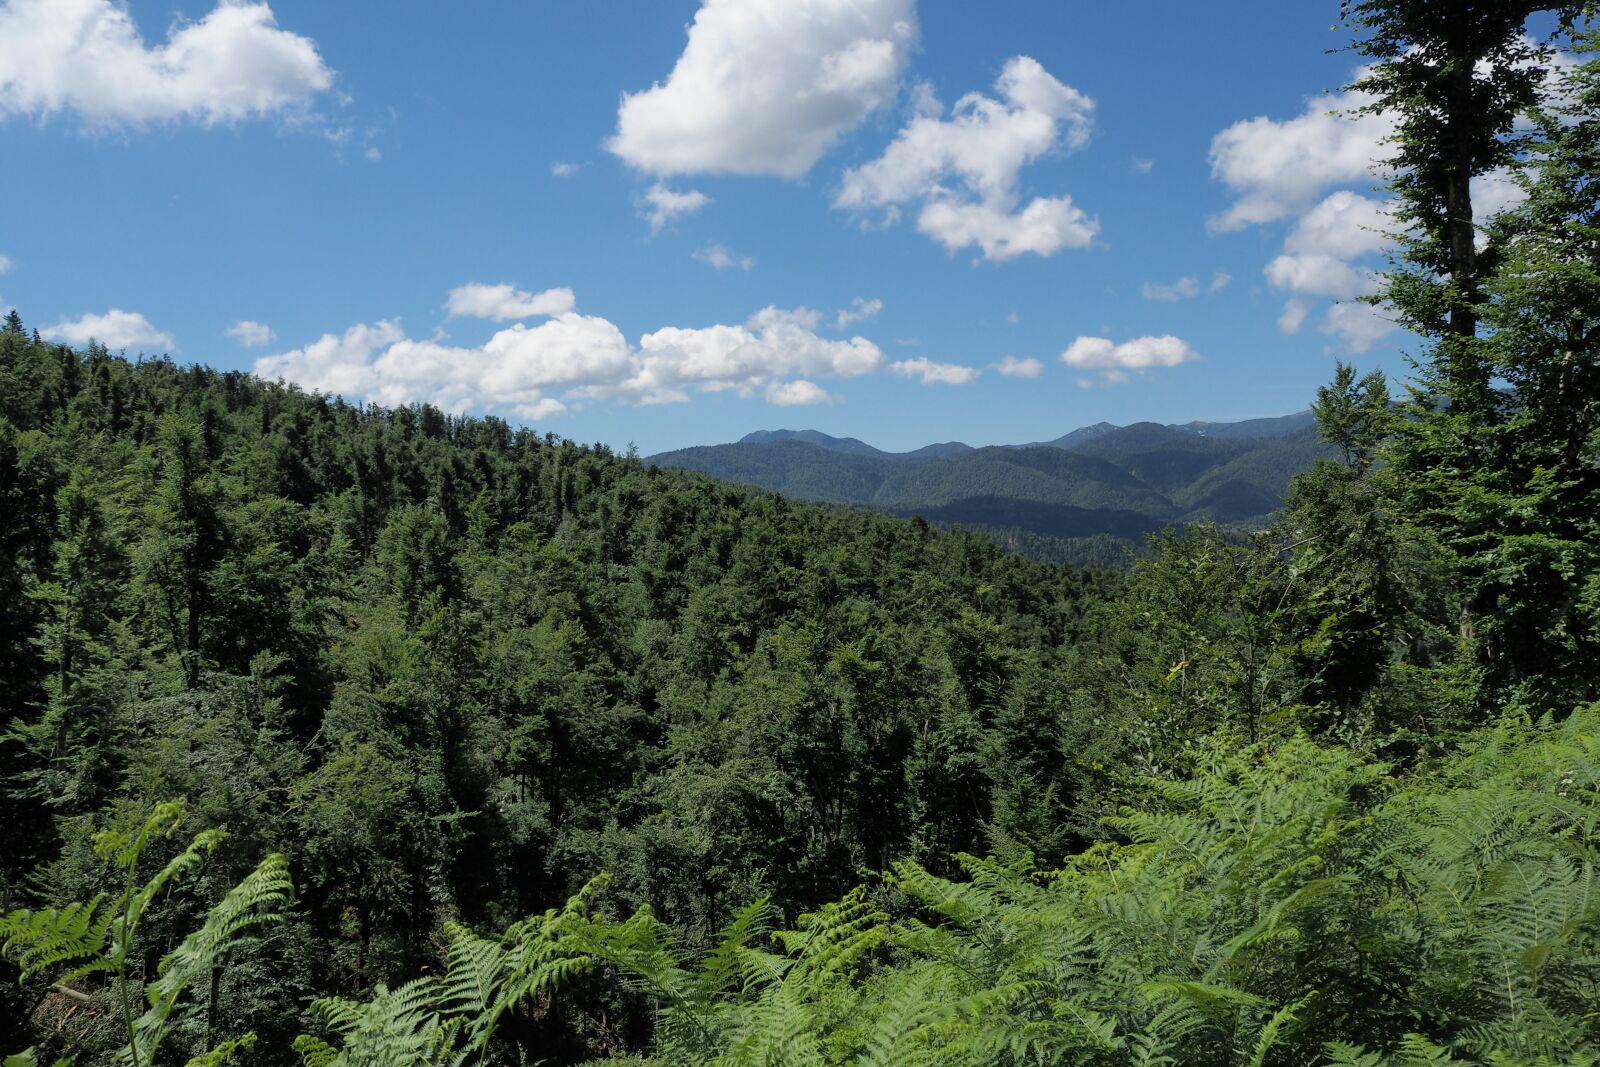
[1084,497]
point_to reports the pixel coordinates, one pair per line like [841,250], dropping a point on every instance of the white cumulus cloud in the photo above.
[721,257]
[1012,367]
[767,86]
[1182,289]
[1185,288]
[1294,315]
[251,334]
[1313,172]
[1292,170]
[116,329]
[1343,224]
[334,363]
[1117,362]
[796,393]
[1044,227]
[1278,169]
[932,373]
[773,344]
[87,56]
[1318,275]
[503,302]
[662,205]
[1331,252]
[964,170]
[5,264]
[860,310]
[1358,325]
[536,371]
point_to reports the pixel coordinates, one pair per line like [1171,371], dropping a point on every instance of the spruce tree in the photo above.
[1461,79]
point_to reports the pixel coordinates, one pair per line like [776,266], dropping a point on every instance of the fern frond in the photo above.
[1273,1030]
[75,935]
[1342,1055]
[257,900]
[224,1053]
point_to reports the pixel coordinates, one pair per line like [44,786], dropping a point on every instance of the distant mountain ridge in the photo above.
[850,446]
[1278,426]
[1247,429]
[1096,486]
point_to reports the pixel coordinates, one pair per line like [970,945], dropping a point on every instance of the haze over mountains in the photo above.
[1085,496]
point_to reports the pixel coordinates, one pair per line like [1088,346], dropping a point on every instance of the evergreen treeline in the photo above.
[1329,793]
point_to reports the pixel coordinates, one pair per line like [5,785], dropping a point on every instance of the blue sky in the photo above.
[1144,199]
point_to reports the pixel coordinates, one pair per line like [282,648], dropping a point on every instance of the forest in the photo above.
[338,734]
[1091,497]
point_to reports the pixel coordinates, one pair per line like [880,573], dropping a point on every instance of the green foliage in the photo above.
[1319,791]
[449,670]
[1493,457]
[28,1059]
[1284,904]
[452,1019]
[94,940]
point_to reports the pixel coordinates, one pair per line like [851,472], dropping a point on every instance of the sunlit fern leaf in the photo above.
[733,962]
[1002,1023]
[643,949]
[1418,1051]
[224,1053]
[1170,1030]
[185,861]
[781,1033]
[26,1058]
[1281,917]
[1211,1000]
[959,902]
[395,1026]
[537,955]
[474,970]
[96,938]
[257,900]
[314,1052]
[523,982]
[76,935]
[918,998]
[836,937]
[1342,1055]
[1274,1029]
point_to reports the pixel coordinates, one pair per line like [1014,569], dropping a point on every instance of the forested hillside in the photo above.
[1090,497]
[338,735]
[453,669]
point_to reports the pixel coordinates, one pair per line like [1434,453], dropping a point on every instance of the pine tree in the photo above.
[1458,77]
[184,539]
[1455,75]
[1537,557]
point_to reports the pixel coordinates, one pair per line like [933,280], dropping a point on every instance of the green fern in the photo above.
[83,940]
[452,1020]
[1285,905]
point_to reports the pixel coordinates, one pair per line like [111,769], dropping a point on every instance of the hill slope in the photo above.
[1096,482]
[451,669]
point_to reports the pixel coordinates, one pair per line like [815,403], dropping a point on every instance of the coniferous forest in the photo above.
[334,734]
